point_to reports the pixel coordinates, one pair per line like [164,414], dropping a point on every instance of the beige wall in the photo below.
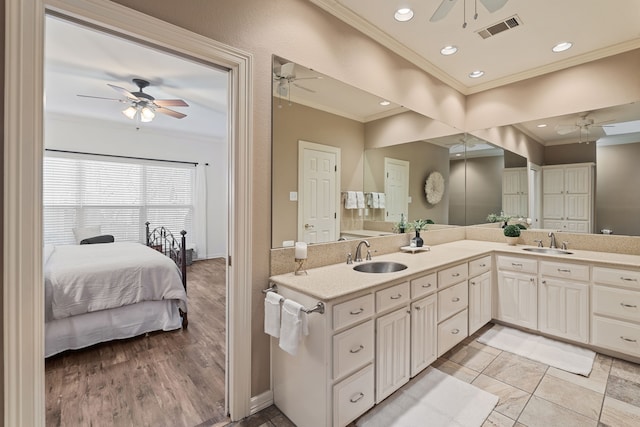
[618,189]
[297,122]
[569,153]
[483,193]
[424,158]
[406,127]
[2,200]
[457,192]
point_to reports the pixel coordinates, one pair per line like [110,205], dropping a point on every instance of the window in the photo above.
[119,196]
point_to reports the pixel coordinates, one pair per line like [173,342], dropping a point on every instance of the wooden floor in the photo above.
[164,379]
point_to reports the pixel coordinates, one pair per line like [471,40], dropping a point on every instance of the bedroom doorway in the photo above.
[90,76]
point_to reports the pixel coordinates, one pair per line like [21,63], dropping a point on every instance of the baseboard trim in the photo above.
[261,401]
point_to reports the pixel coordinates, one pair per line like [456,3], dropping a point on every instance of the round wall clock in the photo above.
[434,188]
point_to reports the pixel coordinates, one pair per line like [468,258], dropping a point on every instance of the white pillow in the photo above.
[82,233]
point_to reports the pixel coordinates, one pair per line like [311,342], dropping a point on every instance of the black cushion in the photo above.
[105,238]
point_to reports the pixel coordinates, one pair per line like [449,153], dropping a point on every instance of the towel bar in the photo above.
[318,308]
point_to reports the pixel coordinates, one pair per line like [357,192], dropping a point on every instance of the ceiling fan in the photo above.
[142,105]
[285,76]
[447,5]
[583,125]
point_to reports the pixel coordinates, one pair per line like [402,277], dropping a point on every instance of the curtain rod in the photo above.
[124,157]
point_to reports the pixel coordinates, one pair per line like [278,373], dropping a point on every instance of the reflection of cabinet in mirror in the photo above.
[515,193]
[568,197]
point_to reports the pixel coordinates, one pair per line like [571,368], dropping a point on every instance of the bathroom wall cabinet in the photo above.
[567,202]
[515,194]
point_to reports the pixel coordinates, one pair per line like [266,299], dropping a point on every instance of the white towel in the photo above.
[376,200]
[370,197]
[272,314]
[350,200]
[360,199]
[293,326]
[381,200]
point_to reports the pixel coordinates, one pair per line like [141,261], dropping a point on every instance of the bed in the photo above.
[101,292]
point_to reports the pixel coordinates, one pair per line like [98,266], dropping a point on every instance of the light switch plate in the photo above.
[293,196]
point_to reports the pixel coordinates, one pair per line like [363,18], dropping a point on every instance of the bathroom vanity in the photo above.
[380,329]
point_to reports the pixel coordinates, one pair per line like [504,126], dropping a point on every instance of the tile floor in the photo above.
[531,393]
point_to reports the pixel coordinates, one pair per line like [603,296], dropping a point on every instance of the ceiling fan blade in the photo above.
[123,91]
[100,97]
[566,129]
[171,103]
[304,88]
[442,10]
[493,5]
[171,113]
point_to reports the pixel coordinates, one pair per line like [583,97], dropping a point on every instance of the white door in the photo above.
[318,184]
[392,352]
[424,332]
[396,188]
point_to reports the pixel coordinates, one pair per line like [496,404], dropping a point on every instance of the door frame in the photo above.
[306,145]
[23,293]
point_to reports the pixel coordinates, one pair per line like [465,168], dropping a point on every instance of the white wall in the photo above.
[104,137]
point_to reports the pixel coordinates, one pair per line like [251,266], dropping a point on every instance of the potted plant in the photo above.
[401,227]
[512,232]
[418,225]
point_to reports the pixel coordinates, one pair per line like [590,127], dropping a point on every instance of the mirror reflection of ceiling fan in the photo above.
[447,5]
[285,76]
[143,106]
[583,125]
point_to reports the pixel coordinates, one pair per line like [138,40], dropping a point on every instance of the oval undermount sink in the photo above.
[550,251]
[380,267]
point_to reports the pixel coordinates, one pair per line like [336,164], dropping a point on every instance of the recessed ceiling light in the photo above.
[476,74]
[542,125]
[404,14]
[384,103]
[561,47]
[448,50]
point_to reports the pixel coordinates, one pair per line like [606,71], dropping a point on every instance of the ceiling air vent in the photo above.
[501,26]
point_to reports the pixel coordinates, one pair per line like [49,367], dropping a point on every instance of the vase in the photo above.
[418,240]
[511,240]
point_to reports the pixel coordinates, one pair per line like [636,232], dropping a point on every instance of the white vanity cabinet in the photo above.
[424,323]
[392,352]
[479,293]
[516,296]
[564,300]
[453,301]
[567,202]
[616,310]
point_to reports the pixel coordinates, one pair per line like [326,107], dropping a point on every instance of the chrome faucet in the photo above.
[358,257]
[552,245]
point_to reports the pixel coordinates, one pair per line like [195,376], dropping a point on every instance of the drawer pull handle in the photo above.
[629,279]
[355,313]
[483,265]
[564,270]
[516,264]
[357,350]
[357,398]
[418,307]
[628,305]
[627,339]
[455,274]
[455,299]
[428,285]
[398,296]
[455,331]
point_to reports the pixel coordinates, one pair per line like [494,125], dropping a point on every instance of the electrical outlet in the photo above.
[293,196]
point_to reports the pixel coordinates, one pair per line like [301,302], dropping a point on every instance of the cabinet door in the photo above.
[553,181]
[511,182]
[577,207]
[512,204]
[392,352]
[553,207]
[479,301]
[564,309]
[577,180]
[423,334]
[517,298]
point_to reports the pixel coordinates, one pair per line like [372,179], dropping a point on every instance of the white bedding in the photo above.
[88,278]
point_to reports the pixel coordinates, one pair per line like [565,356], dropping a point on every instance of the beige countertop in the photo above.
[335,281]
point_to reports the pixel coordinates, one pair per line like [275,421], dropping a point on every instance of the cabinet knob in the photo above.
[357,350]
[455,331]
[455,274]
[357,397]
[455,299]
[418,308]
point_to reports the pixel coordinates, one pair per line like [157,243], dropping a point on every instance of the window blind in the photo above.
[118,196]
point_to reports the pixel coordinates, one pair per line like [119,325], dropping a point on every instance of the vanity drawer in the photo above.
[423,285]
[353,397]
[479,265]
[352,311]
[352,349]
[453,275]
[525,265]
[564,270]
[614,276]
[451,332]
[392,297]
[616,302]
[616,335]
[452,300]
